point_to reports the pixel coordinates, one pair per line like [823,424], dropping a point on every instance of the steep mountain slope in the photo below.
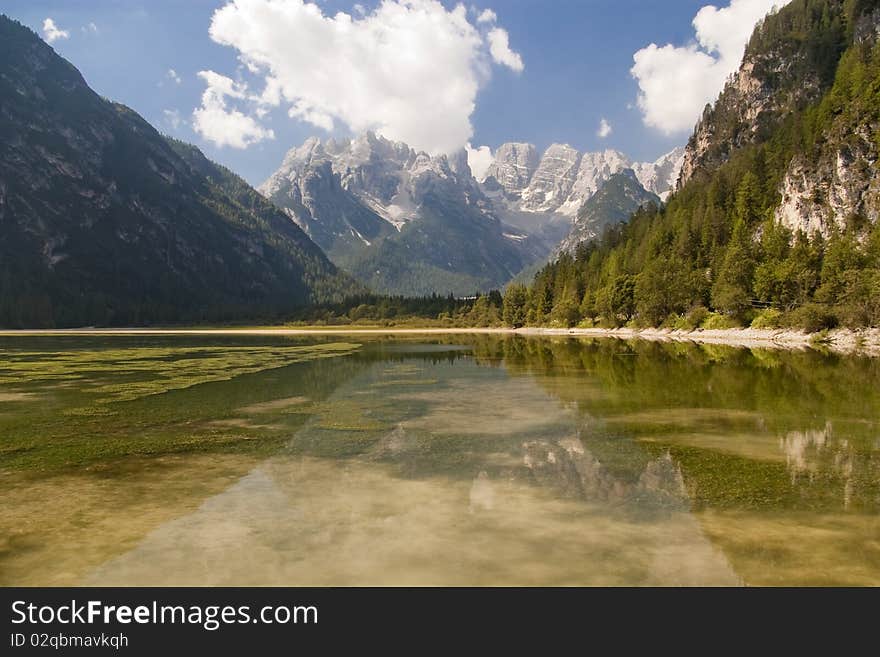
[513,167]
[660,177]
[543,195]
[563,178]
[776,217]
[615,201]
[789,64]
[836,180]
[551,183]
[400,221]
[104,221]
[315,197]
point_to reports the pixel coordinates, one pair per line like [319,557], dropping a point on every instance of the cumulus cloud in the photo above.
[479,160]
[173,118]
[408,69]
[173,76]
[676,82]
[52,32]
[224,126]
[604,130]
[487,16]
[499,48]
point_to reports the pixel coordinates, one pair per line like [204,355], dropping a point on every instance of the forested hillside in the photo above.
[775,221]
[105,221]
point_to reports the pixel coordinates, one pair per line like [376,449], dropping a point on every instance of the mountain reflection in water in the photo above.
[492,462]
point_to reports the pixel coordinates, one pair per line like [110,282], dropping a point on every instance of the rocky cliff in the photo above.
[836,182]
[562,179]
[401,221]
[784,72]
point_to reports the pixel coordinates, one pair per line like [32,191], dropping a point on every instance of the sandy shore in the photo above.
[866,341]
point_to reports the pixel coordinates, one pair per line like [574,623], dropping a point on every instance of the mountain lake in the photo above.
[458,460]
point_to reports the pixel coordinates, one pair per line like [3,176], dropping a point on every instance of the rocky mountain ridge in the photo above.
[562,179]
[105,221]
[781,74]
[401,221]
[615,201]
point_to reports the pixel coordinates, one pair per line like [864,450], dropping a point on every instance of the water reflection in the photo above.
[801,448]
[809,452]
[515,498]
[533,462]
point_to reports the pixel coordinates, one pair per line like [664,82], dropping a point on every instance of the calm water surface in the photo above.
[469,461]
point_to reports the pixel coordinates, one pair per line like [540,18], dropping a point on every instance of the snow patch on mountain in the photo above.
[562,179]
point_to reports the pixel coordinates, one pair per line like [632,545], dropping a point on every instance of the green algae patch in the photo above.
[84,406]
[140,371]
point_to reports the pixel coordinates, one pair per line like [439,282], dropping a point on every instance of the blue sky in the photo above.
[576,56]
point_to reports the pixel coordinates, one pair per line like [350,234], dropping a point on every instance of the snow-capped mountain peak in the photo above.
[562,179]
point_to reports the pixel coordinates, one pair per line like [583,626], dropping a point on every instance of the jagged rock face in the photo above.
[458,162]
[552,181]
[839,181]
[615,201]
[404,222]
[747,97]
[835,182]
[594,169]
[661,176]
[513,167]
[842,183]
[564,179]
[772,81]
[388,178]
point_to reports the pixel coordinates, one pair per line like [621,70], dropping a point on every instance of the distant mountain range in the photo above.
[544,195]
[614,202]
[562,179]
[404,222]
[400,221]
[105,221]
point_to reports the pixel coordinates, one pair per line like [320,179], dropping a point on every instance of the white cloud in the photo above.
[52,32]
[408,69]
[487,16]
[499,48]
[676,82]
[604,130]
[90,28]
[479,160]
[173,76]
[216,122]
[173,118]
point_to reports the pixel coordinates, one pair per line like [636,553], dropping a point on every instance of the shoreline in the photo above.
[865,341]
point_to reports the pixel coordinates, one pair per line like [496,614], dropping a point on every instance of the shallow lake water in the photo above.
[467,460]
